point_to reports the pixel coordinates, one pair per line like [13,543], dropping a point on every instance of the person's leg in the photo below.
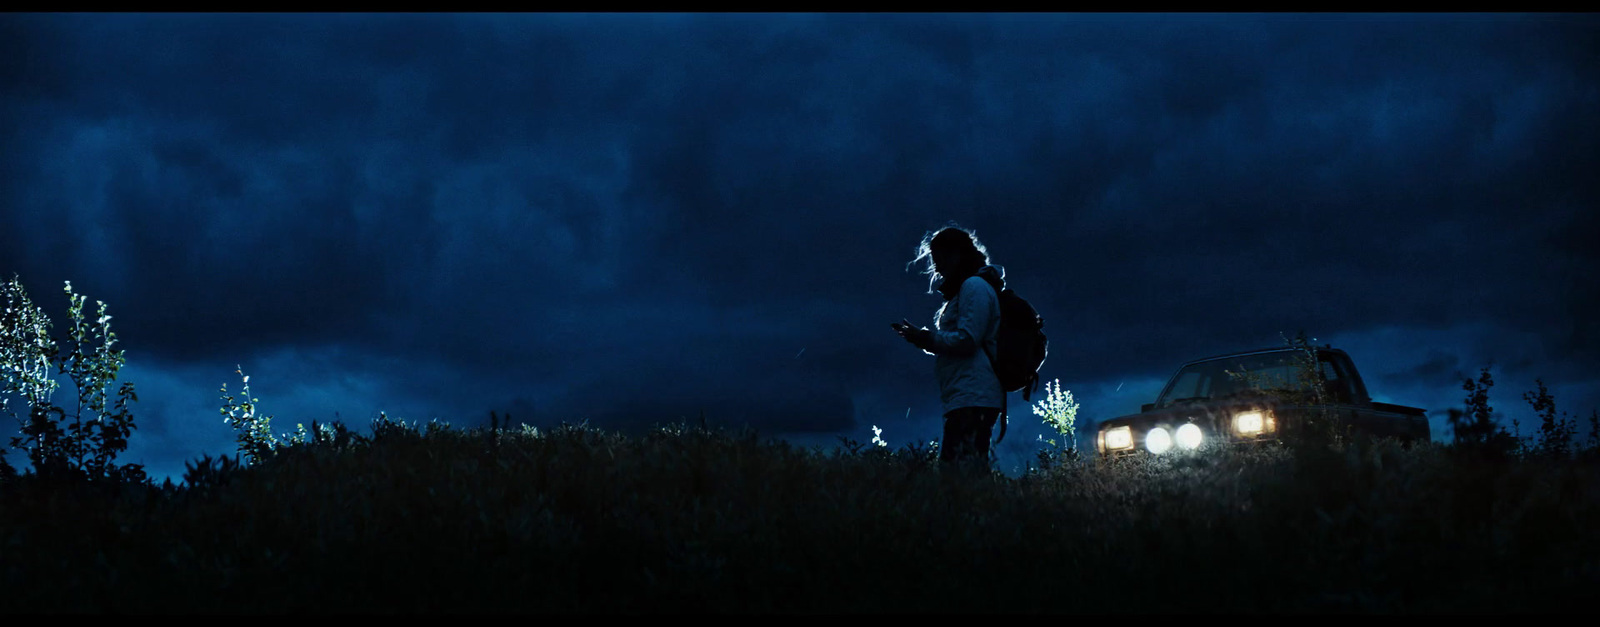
[982,430]
[960,426]
[966,436]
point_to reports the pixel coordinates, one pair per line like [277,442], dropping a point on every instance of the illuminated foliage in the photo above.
[1059,412]
[254,431]
[60,444]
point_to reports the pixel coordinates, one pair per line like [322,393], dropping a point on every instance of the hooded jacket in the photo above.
[963,338]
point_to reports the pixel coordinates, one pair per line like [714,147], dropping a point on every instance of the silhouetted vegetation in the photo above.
[411,517]
[434,518]
[1474,428]
[76,446]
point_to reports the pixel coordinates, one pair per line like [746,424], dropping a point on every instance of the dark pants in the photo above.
[966,435]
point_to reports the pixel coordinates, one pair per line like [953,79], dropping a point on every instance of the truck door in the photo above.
[1341,395]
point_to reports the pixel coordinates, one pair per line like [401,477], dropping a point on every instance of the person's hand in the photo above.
[918,337]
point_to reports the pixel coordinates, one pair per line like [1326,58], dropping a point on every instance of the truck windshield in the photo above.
[1262,371]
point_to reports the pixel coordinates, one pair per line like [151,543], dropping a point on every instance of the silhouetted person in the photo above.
[962,341]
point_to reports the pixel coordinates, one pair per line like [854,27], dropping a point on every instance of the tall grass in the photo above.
[681,519]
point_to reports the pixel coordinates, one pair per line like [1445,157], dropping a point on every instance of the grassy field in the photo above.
[687,519]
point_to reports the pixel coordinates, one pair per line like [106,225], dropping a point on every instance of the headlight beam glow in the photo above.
[1158,440]
[1249,423]
[1118,438]
[1189,436]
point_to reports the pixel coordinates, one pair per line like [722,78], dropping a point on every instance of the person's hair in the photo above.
[970,253]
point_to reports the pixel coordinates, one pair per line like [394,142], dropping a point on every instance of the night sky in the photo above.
[633,219]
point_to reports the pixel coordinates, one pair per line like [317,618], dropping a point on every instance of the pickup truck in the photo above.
[1257,396]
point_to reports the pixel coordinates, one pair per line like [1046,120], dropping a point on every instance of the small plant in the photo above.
[255,438]
[390,430]
[1556,434]
[1474,427]
[1060,412]
[334,435]
[1476,423]
[1311,389]
[84,443]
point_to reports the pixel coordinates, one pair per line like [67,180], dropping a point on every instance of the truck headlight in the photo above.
[1189,436]
[1117,438]
[1251,423]
[1158,440]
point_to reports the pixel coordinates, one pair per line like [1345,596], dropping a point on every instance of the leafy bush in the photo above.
[60,445]
[1557,434]
[1477,433]
[1474,429]
[254,436]
[1059,412]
